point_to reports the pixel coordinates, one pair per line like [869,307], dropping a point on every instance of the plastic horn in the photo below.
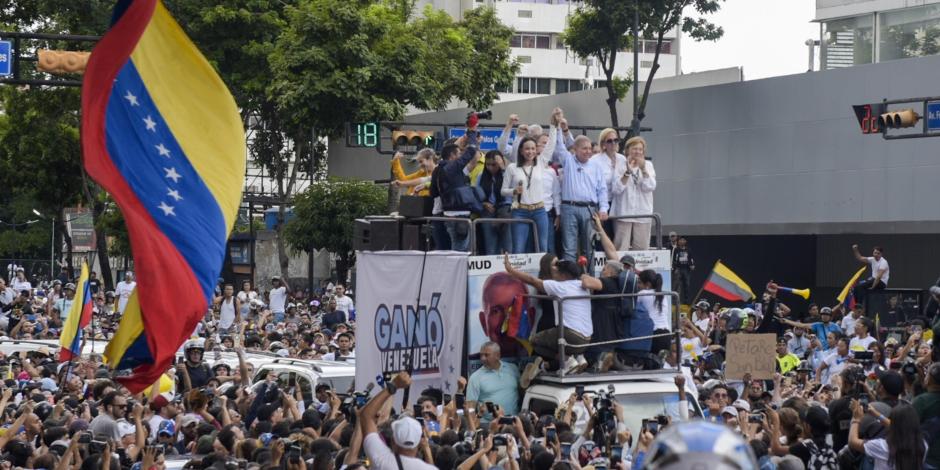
[800,292]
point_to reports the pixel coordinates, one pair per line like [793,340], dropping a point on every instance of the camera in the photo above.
[84,438]
[507,420]
[474,117]
[500,440]
[755,418]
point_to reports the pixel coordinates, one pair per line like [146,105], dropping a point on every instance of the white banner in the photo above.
[394,334]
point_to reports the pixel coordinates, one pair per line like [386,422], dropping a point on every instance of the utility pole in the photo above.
[635,123]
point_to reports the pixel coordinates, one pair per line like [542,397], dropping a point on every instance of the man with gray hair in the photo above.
[496,382]
[583,194]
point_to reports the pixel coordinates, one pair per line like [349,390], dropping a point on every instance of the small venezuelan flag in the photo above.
[724,283]
[847,296]
[78,318]
[162,134]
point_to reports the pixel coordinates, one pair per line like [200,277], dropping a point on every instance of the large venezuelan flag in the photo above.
[162,134]
[79,316]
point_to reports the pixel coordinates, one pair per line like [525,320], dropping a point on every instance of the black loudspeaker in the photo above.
[413,237]
[415,206]
[385,234]
[361,235]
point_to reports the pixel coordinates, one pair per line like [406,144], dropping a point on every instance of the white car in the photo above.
[643,395]
[306,374]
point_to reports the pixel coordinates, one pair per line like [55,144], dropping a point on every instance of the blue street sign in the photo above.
[933,116]
[6,58]
[488,137]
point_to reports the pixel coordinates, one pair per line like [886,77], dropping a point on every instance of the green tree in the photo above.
[324,216]
[601,28]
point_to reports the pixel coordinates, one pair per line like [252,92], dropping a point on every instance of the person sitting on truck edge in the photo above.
[577,323]
[496,382]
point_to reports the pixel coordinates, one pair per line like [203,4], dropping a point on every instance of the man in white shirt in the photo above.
[123,291]
[7,295]
[20,283]
[862,340]
[344,350]
[277,299]
[64,304]
[880,272]
[577,325]
[343,301]
[849,321]
[833,364]
[406,433]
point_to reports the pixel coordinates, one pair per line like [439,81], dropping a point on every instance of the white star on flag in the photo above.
[131,98]
[172,174]
[151,124]
[167,209]
[163,150]
[174,194]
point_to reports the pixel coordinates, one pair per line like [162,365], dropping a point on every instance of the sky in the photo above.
[766,37]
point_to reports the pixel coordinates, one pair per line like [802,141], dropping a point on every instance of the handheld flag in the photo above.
[79,316]
[162,134]
[517,323]
[726,284]
[847,296]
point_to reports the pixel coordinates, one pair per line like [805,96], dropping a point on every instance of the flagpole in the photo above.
[702,289]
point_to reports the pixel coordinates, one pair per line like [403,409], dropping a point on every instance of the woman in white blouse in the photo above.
[523,181]
[632,189]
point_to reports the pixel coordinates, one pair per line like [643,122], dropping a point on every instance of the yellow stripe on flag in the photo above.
[129,329]
[849,285]
[74,318]
[729,275]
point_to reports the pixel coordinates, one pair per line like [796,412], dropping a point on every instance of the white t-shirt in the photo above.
[345,303]
[277,298]
[227,313]
[702,323]
[245,298]
[878,450]
[577,311]
[691,348]
[123,291]
[879,265]
[155,421]
[382,457]
[660,316]
[848,324]
[332,356]
[836,364]
[859,344]
[20,286]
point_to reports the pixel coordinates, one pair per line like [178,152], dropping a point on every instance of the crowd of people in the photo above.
[553,180]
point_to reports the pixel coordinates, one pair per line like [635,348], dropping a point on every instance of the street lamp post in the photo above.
[51,247]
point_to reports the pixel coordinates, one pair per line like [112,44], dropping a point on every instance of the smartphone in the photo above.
[84,438]
[507,420]
[616,453]
[460,400]
[490,407]
[550,435]
[417,410]
[579,391]
[500,440]
[447,399]
[565,450]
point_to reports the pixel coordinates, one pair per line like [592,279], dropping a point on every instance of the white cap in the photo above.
[125,428]
[407,432]
[742,405]
[282,352]
[730,410]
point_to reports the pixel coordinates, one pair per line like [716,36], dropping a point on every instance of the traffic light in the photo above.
[61,62]
[898,119]
[412,138]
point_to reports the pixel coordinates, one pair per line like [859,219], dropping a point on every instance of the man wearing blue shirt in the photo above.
[583,192]
[496,382]
[821,328]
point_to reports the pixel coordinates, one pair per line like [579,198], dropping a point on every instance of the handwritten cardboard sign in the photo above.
[751,354]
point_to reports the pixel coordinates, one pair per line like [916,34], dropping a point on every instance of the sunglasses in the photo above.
[612,141]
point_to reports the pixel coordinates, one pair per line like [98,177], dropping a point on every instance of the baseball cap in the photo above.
[892,382]
[314,303]
[125,428]
[407,432]
[627,260]
[825,311]
[188,420]
[282,352]
[49,384]
[275,278]
[742,405]
[159,402]
[730,410]
[167,428]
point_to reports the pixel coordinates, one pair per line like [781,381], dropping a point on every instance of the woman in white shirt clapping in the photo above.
[523,182]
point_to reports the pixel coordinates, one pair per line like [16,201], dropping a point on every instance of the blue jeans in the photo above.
[520,232]
[550,244]
[440,235]
[496,237]
[577,230]
[459,232]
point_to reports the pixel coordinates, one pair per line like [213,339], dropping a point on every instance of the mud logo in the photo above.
[410,338]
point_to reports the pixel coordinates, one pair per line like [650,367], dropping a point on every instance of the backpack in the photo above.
[637,321]
[821,456]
